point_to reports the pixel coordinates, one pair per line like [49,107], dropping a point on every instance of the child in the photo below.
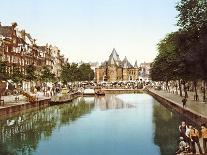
[183,146]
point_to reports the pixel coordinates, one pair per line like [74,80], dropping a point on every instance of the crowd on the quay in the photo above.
[123,84]
[189,138]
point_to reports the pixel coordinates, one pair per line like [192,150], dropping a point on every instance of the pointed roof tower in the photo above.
[135,65]
[126,63]
[114,58]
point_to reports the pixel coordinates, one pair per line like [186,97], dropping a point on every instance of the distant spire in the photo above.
[125,59]
[114,53]
[114,58]
[126,63]
[135,65]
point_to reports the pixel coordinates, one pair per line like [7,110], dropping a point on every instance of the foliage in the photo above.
[192,14]
[71,73]
[170,62]
[30,73]
[3,73]
[16,74]
[47,75]
[182,54]
[86,73]
[193,18]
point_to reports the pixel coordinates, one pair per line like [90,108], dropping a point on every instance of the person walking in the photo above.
[204,136]
[194,136]
[184,100]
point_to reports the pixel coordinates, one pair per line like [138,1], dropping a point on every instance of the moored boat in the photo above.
[100,93]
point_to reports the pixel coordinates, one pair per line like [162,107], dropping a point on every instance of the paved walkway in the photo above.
[199,107]
[10,100]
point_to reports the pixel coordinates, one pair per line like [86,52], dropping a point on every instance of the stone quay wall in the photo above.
[186,112]
[24,106]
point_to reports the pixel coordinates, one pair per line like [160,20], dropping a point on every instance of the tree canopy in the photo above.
[182,55]
[16,74]
[30,73]
[86,73]
[72,72]
[47,75]
[3,74]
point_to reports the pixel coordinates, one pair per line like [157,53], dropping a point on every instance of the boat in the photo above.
[88,92]
[100,93]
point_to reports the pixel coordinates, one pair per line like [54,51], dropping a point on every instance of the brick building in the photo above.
[18,48]
[116,70]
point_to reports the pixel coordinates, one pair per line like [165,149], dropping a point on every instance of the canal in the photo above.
[112,125]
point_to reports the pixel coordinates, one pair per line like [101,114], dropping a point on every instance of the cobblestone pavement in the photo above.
[199,107]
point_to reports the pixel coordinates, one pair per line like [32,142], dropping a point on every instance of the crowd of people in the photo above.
[189,138]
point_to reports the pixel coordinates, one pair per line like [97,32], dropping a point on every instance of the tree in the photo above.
[69,73]
[30,73]
[47,75]
[193,19]
[86,73]
[182,55]
[170,63]
[3,74]
[16,74]
[192,14]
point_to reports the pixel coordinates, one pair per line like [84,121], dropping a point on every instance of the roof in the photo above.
[20,41]
[6,31]
[29,36]
[135,65]
[114,58]
[42,48]
[126,63]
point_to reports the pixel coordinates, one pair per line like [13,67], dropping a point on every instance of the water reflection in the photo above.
[166,128]
[111,102]
[21,135]
[113,125]
[165,135]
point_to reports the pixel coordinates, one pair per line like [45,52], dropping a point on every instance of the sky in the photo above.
[88,30]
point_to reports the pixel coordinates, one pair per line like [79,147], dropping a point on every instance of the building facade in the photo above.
[18,48]
[145,71]
[116,70]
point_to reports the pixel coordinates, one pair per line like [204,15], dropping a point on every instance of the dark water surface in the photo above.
[125,124]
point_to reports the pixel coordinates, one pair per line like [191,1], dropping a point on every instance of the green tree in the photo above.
[16,74]
[193,19]
[3,74]
[70,73]
[170,63]
[182,55]
[30,73]
[192,14]
[86,73]
[47,75]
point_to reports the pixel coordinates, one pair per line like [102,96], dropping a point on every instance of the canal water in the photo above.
[134,124]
